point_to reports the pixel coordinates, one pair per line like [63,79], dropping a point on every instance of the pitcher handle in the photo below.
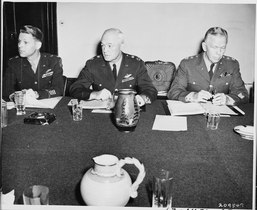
[140,177]
[11,97]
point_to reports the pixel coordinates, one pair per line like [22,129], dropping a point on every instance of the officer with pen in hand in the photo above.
[210,75]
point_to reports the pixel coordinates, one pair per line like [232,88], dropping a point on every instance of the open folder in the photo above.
[181,108]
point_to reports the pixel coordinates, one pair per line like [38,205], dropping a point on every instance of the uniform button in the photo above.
[226,83]
[100,85]
[193,83]
[35,82]
[130,85]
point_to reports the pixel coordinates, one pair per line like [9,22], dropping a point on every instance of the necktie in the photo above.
[211,70]
[114,71]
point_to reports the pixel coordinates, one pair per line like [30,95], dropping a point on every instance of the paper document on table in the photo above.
[220,109]
[181,108]
[170,123]
[93,104]
[47,103]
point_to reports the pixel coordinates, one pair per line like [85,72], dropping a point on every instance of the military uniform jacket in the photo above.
[192,76]
[98,73]
[47,80]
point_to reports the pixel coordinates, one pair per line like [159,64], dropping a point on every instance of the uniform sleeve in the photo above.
[145,84]
[237,90]
[9,82]
[80,89]
[57,83]
[178,89]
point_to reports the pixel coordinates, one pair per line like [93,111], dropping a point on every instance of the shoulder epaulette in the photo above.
[48,55]
[133,57]
[229,58]
[15,57]
[191,57]
[94,58]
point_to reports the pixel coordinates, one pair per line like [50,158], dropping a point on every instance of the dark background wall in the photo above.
[39,14]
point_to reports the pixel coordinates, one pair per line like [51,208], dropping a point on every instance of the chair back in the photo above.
[162,74]
[68,81]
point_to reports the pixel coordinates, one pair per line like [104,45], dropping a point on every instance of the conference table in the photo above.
[210,168]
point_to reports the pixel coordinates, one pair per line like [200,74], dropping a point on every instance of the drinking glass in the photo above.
[4,114]
[213,119]
[36,195]
[18,97]
[77,112]
[162,189]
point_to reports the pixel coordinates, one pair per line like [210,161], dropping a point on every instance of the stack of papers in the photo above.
[181,108]
[93,104]
[48,103]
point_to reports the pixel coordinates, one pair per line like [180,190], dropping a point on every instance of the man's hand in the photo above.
[140,100]
[31,93]
[202,96]
[103,94]
[219,99]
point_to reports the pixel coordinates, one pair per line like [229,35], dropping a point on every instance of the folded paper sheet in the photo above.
[170,123]
[8,198]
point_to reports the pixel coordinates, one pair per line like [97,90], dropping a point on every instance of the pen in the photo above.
[238,109]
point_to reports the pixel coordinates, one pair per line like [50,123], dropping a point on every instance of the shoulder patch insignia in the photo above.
[240,95]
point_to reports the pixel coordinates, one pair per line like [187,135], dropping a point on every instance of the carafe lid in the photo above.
[127,91]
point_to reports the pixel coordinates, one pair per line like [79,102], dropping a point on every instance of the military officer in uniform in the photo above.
[210,75]
[113,70]
[40,74]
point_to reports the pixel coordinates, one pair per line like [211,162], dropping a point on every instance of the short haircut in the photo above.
[117,31]
[216,31]
[34,31]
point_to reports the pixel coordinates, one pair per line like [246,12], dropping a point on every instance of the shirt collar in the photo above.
[208,62]
[118,63]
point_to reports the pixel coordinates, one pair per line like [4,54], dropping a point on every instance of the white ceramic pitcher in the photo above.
[108,184]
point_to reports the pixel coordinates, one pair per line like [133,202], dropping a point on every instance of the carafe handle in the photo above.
[140,177]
